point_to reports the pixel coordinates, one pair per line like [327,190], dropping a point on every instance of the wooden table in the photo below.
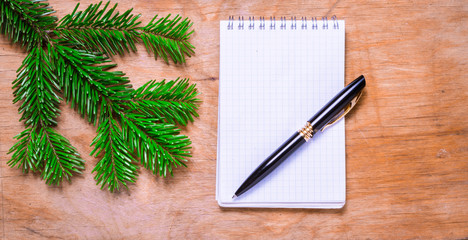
[407,141]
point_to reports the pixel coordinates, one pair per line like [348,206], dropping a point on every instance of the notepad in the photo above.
[274,76]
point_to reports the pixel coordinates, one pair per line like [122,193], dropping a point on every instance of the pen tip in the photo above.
[234,196]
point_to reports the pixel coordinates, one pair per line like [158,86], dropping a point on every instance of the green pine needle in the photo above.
[117,166]
[85,79]
[159,145]
[105,29]
[69,58]
[167,37]
[42,148]
[101,29]
[25,151]
[26,21]
[174,102]
[62,158]
[36,86]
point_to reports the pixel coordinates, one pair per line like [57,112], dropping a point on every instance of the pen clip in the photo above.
[344,111]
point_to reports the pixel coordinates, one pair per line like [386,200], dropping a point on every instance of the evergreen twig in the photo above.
[117,166]
[26,21]
[105,29]
[40,147]
[175,100]
[68,57]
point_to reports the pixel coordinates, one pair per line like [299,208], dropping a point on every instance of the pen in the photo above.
[333,111]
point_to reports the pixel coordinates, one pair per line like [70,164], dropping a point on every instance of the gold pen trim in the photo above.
[307,132]
[343,112]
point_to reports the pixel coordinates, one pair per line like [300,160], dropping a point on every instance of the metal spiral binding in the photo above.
[335,22]
[262,23]
[283,23]
[251,22]
[314,23]
[230,23]
[293,23]
[241,23]
[324,23]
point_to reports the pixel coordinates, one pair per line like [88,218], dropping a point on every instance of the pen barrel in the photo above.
[337,104]
[271,162]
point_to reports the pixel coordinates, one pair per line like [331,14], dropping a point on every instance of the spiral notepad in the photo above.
[274,75]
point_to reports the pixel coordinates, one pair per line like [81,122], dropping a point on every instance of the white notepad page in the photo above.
[271,82]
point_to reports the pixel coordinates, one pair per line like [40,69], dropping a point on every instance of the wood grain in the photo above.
[407,140]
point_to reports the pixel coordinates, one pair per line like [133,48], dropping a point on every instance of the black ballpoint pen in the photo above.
[333,111]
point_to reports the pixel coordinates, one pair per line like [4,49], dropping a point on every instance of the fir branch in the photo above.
[60,157]
[39,147]
[174,102]
[158,145]
[86,80]
[108,31]
[26,21]
[25,151]
[101,29]
[117,166]
[167,37]
[67,58]
[36,85]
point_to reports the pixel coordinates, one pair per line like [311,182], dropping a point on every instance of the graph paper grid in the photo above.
[271,82]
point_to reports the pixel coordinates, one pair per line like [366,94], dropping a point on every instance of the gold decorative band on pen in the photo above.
[307,131]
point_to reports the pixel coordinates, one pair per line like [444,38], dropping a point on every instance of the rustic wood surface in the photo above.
[406,144]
